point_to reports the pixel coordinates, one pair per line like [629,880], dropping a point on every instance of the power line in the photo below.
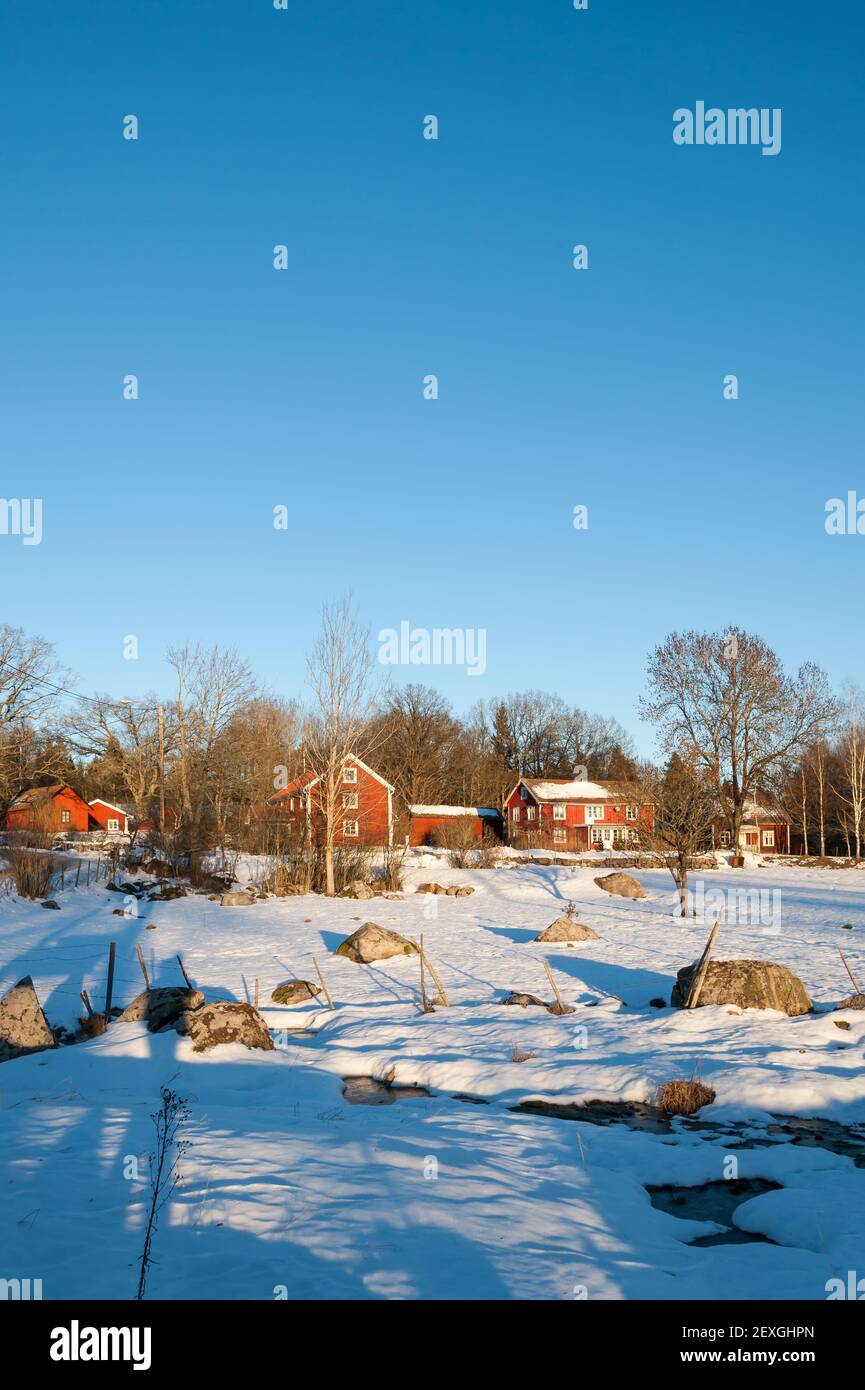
[75,694]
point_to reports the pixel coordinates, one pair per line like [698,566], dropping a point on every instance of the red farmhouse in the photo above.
[51,809]
[425,821]
[570,814]
[365,810]
[764,830]
[108,816]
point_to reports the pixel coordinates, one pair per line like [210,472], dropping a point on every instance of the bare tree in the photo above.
[724,701]
[29,681]
[123,737]
[850,790]
[684,801]
[340,670]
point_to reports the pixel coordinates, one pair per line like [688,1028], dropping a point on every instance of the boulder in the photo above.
[23,1025]
[525,1001]
[566,929]
[171,890]
[752,984]
[49,902]
[372,942]
[295,992]
[430,888]
[853,1001]
[235,900]
[622,885]
[464,892]
[358,889]
[162,1007]
[225,1022]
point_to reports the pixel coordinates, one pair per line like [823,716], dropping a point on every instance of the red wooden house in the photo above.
[108,816]
[764,830]
[365,810]
[569,814]
[50,809]
[426,821]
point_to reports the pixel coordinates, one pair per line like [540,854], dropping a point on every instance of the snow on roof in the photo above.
[546,789]
[453,811]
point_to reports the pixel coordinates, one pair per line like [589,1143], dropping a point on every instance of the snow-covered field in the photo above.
[288,1190]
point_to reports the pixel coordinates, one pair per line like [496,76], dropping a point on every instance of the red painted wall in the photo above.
[49,815]
[371,812]
[102,813]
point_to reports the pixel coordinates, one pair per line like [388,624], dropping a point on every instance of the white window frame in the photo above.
[560,835]
[560,813]
[349,801]
[112,824]
[594,813]
[607,834]
[724,839]
[349,829]
[631,813]
[531,813]
[768,839]
[349,774]
[65,817]
[515,813]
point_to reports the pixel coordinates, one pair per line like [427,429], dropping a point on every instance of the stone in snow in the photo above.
[226,1022]
[752,984]
[566,929]
[622,885]
[23,1025]
[372,942]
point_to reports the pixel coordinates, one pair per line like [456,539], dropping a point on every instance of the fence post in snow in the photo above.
[112,951]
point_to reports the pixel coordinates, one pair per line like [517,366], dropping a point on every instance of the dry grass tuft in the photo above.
[684,1097]
[519,1056]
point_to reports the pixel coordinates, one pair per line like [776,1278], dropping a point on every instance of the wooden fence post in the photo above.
[140,954]
[112,952]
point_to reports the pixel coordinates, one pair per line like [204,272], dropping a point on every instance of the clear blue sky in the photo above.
[409,257]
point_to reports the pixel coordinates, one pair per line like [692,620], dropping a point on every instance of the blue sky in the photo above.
[303,388]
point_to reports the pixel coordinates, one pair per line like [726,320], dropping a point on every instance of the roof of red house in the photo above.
[37,796]
[308,779]
[442,811]
[100,801]
[574,789]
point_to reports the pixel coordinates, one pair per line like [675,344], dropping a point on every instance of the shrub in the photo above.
[684,1097]
[34,871]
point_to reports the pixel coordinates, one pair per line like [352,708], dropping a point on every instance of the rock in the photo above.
[841,1023]
[464,892]
[151,926]
[622,885]
[23,1025]
[853,1001]
[358,889]
[49,902]
[235,900]
[846,926]
[430,888]
[295,992]
[372,942]
[161,1007]
[171,890]
[525,1001]
[452,891]
[395,897]
[752,984]
[657,1003]
[566,929]
[226,1022]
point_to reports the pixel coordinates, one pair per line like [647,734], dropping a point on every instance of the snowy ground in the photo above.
[287,1189]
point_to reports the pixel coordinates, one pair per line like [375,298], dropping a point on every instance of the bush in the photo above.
[394,858]
[33,870]
[459,837]
[684,1097]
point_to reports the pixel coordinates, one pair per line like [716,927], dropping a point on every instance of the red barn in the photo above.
[108,816]
[49,809]
[365,810]
[425,821]
[569,814]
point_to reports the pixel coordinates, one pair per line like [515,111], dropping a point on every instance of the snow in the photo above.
[569,791]
[453,811]
[285,1186]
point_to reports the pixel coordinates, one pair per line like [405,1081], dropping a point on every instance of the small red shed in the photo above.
[108,816]
[50,809]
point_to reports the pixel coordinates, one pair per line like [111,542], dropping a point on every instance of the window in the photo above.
[524,795]
[65,817]
[725,839]
[532,813]
[594,813]
[349,774]
[769,838]
[632,836]
[114,824]
[607,833]
[560,835]
[560,813]
[516,812]
[349,829]
[631,813]
[349,801]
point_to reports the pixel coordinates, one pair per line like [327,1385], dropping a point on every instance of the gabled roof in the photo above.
[573,789]
[100,801]
[38,796]
[307,780]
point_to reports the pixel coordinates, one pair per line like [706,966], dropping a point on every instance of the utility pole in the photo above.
[160,720]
